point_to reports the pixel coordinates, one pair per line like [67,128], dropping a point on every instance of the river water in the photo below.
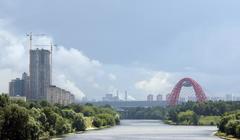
[148,130]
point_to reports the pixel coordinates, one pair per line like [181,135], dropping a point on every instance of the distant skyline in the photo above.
[142,46]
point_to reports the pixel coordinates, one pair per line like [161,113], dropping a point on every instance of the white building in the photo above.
[229,97]
[110,98]
[159,97]
[150,97]
[56,95]
[23,98]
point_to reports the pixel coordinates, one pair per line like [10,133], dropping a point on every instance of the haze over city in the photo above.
[123,45]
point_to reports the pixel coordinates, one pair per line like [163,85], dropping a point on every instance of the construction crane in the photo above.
[51,45]
[30,35]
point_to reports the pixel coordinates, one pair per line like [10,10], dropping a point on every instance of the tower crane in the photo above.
[30,35]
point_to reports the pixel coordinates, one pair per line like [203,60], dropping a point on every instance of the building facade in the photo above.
[16,87]
[22,98]
[229,97]
[19,87]
[40,74]
[159,97]
[56,95]
[110,98]
[26,85]
[150,97]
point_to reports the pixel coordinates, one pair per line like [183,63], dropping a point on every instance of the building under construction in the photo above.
[40,73]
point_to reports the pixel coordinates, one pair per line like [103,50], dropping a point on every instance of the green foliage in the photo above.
[16,124]
[187,118]
[97,122]
[20,103]
[144,113]
[4,100]
[34,120]
[209,120]
[62,125]
[230,124]
[34,129]
[237,130]
[206,113]
[79,123]
[107,119]
[88,111]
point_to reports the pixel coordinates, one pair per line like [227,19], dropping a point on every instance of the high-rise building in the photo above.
[19,87]
[40,73]
[16,87]
[159,97]
[229,97]
[26,85]
[150,97]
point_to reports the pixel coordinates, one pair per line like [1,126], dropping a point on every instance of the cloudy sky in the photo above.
[142,46]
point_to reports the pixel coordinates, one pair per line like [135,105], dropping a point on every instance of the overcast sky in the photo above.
[143,46]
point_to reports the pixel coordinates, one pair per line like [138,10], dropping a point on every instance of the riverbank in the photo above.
[60,137]
[224,136]
[200,121]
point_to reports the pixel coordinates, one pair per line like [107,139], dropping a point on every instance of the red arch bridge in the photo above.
[172,99]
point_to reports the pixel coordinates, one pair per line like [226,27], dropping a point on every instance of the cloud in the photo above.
[65,83]
[12,54]
[75,68]
[112,77]
[158,83]
[71,67]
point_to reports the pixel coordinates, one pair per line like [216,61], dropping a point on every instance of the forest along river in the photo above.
[148,130]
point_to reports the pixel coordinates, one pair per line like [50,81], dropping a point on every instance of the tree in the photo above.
[107,119]
[51,118]
[79,123]
[223,121]
[34,129]
[231,127]
[237,130]
[187,117]
[172,115]
[62,126]
[88,111]
[17,124]
[4,100]
[97,122]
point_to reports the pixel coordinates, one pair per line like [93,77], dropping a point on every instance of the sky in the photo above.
[142,46]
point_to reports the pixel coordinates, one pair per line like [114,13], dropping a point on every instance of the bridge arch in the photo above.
[186,82]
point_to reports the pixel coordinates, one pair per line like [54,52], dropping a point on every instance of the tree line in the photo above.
[196,113]
[34,120]
[189,113]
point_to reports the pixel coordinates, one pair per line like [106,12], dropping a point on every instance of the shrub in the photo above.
[97,122]
[79,123]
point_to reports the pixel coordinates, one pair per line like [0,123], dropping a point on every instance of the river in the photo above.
[148,130]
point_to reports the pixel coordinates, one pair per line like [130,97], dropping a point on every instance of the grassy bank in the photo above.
[90,127]
[203,120]
[225,136]
[209,120]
